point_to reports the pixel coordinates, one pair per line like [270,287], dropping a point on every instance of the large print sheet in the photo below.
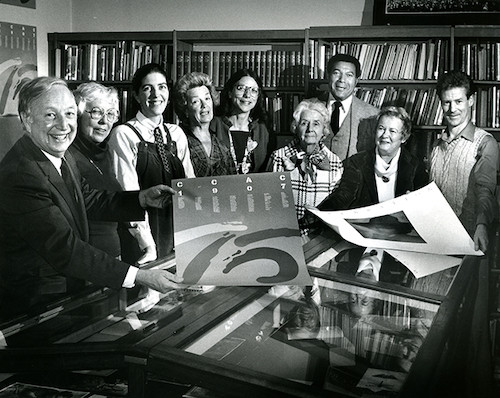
[238,230]
[419,229]
[420,221]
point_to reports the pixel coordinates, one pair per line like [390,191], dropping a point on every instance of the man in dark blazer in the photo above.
[353,130]
[44,217]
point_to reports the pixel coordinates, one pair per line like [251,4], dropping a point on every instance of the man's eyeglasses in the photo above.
[112,115]
[252,91]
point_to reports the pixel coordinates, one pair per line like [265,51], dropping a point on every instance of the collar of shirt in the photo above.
[57,162]
[148,123]
[467,133]
[346,104]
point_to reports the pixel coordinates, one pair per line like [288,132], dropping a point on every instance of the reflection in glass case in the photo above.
[334,336]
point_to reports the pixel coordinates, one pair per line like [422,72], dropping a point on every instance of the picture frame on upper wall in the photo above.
[436,12]
[20,3]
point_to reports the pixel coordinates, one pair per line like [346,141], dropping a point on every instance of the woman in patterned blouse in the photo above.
[194,101]
[314,170]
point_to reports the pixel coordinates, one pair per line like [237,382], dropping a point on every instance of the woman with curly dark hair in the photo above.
[242,124]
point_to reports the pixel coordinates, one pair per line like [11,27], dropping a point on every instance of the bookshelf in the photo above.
[276,56]
[400,64]
[110,58]
[477,53]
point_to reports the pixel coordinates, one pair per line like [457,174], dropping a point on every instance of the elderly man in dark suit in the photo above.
[45,206]
[352,121]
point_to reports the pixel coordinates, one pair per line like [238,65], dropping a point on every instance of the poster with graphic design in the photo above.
[238,230]
[17,63]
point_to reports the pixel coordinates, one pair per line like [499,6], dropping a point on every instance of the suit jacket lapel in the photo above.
[369,176]
[77,210]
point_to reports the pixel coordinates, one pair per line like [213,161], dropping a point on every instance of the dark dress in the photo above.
[95,166]
[151,172]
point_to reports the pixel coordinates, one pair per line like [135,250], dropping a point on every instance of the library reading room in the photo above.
[345,155]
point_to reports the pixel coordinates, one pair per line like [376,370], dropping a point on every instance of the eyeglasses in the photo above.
[252,91]
[112,115]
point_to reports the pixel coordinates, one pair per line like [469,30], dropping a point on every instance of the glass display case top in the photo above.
[333,336]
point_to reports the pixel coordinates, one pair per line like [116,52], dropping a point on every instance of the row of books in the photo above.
[280,108]
[486,109]
[384,61]
[481,61]
[422,105]
[276,68]
[108,62]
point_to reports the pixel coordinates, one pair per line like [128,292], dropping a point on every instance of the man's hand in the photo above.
[481,238]
[157,196]
[149,255]
[158,279]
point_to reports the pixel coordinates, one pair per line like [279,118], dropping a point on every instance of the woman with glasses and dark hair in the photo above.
[97,113]
[194,100]
[145,152]
[242,122]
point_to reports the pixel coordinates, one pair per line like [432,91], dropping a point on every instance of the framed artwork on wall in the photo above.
[436,12]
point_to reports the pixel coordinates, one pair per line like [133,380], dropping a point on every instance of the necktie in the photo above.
[161,149]
[334,121]
[68,180]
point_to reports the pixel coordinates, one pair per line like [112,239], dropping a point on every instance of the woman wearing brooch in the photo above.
[382,174]
[241,124]
[314,170]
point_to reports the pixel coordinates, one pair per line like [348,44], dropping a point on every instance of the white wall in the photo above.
[150,15]
[119,15]
[49,16]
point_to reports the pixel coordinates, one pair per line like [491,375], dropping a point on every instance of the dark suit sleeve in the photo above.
[36,228]
[348,190]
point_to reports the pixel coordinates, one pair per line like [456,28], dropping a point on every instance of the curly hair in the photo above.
[88,92]
[313,104]
[454,79]
[186,83]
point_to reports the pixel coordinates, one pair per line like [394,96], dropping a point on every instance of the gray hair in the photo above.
[88,92]
[34,89]
[312,104]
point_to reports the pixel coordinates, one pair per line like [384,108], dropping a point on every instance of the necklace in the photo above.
[96,166]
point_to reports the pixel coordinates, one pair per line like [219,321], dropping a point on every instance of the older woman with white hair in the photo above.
[314,170]
[97,113]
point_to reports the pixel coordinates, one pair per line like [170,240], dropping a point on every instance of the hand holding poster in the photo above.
[238,230]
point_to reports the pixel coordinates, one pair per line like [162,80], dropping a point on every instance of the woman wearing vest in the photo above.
[146,151]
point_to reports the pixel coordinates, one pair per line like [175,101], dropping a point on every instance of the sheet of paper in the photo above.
[423,264]
[420,221]
[238,230]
